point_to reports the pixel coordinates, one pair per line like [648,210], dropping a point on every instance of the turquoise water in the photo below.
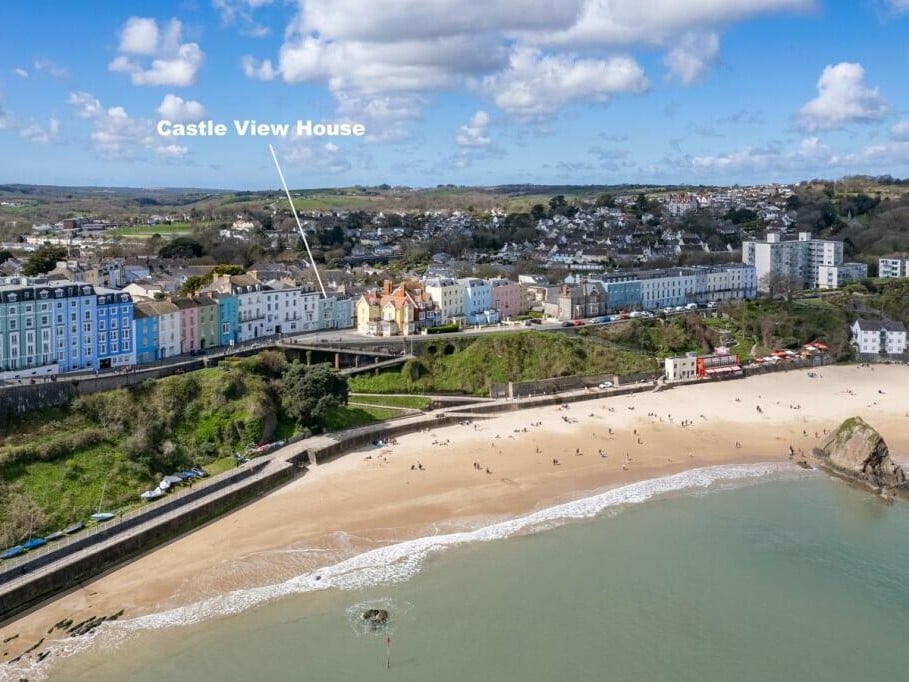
[792,578]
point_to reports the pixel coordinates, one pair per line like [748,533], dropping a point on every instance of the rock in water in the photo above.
[375,617]
[856,450]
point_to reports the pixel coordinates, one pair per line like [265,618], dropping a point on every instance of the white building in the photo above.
[835,276]
[892,267]
[288,309]
[799,259]
[681,368]
[879,337]
[448,295]
[169,339]
[478,306]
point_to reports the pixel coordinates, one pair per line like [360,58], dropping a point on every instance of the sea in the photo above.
[758,572]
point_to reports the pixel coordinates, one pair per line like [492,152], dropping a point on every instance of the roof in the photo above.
[880,326]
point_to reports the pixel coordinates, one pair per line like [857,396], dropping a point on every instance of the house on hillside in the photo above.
[879,337]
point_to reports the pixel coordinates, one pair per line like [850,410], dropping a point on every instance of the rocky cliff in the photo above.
[856,450]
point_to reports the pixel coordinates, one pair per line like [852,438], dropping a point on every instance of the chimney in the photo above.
[386,287]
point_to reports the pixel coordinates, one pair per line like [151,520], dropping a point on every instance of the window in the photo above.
[102,349]
[44,320]
[72,317]
[88,314]
[113,323]
[87,326]
[12,323]
[124,334]
[125,344]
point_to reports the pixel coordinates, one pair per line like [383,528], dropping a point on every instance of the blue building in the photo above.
[145,332]
[478,308]
[228,318]
[45,328]
[622,295]
[114,325]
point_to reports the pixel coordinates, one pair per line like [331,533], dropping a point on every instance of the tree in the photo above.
[538,212]
[556,203]
[777,283]
[192,285]
[43,260]
[310,391]
[181,247]
[606,200]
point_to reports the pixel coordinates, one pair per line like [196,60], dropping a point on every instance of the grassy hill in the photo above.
[469,365]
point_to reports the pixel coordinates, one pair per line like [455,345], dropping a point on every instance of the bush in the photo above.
[443,329]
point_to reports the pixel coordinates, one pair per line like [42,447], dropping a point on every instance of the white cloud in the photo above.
[368,49]
[474,133]
[173,108]
[535,85]
[139,35]
[22,73]
[171,151]
[900,131]
[388,118]
[7,120]
[39,134]
[898,5]
[404,20]
[240,13]
[258,69]
[809,156]
[693,56]
[172,62]
[629,22]
[116,135]
[842,98]
[86,104]
[51,68]
[314,156]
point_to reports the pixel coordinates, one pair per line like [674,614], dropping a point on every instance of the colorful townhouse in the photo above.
[401,310]
[145,332]
[114,323]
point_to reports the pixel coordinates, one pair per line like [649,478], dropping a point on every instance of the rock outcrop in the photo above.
[857,451]
[375,617]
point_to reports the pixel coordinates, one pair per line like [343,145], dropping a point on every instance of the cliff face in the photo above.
[857,450]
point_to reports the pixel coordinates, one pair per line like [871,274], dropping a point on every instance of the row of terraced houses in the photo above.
[414,305]
[53,327]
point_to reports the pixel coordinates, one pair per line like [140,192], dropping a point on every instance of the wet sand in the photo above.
[487,470]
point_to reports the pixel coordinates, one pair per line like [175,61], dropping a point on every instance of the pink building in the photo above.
[189,324]
[506,298]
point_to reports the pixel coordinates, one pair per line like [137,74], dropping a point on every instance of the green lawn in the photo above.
[414,402]
[147,231]
[340,418]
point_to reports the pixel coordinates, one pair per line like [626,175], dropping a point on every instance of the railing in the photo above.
[59,549]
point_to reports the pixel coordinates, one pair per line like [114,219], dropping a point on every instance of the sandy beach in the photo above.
[468,475]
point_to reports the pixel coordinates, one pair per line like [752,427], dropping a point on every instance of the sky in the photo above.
[461,92]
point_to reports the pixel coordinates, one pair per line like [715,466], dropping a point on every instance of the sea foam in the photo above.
[399,562]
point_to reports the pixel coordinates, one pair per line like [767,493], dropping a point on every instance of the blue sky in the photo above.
[474,93]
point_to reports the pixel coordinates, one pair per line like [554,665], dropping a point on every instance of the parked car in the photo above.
[578,323]
[568,324]
[605,384]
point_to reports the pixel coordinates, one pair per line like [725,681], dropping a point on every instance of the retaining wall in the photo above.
[119,541]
